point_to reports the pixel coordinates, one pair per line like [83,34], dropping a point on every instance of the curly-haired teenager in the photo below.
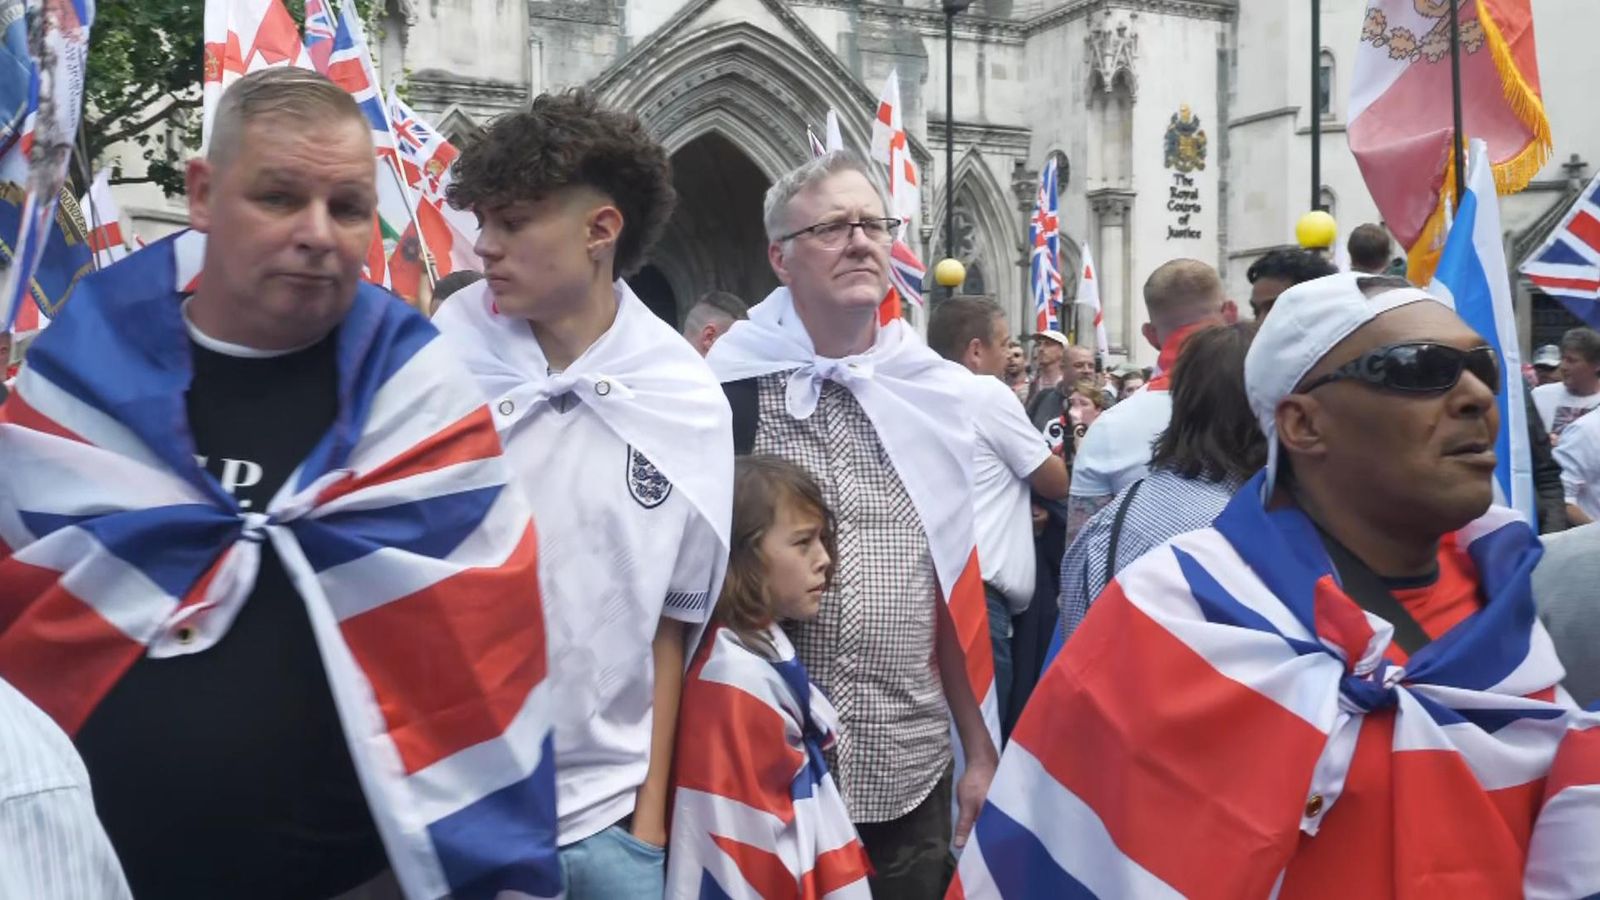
[623,442]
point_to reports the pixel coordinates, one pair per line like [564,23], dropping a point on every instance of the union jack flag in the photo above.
[396,257]
[350,67]
[906,272]
[415,558]
[1567,267]
[1044,268]
[1227,722]
[756,813]
[426,157]
[320,30]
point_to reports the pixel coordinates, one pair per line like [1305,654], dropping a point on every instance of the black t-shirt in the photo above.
[225,773]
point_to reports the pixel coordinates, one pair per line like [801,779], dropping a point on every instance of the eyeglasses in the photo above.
[834,235]
[1419,367]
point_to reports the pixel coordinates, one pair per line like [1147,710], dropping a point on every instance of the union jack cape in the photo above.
[417,566]
[755,812]
[1228,723]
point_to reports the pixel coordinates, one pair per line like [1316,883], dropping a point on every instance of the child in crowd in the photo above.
[752,726]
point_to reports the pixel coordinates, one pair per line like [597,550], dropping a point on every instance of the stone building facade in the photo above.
[1180,126]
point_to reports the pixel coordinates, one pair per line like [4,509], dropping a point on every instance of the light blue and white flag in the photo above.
[1472,275]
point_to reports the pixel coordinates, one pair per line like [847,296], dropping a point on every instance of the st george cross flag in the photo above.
[1401,118]
[755,811]
[890,147]
[243,36]
[1089,296]
[58,50]
[1567,266]
[1228,722]
[106,238]
[1472,277]
[416,561]
[1044,257]
[426,158]
[886,123]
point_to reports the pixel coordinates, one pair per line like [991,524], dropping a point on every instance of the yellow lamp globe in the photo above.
[1316,230]
[949,273]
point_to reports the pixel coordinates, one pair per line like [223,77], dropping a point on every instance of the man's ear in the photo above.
[197,182]
[780,267]
[707,337]
[1299,422]
[1230,312]
[605,226]
[973,350]
[1148,329]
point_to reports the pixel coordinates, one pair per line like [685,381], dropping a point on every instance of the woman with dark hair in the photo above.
[1212,446]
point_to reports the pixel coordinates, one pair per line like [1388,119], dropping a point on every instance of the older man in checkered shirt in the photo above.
[813,379]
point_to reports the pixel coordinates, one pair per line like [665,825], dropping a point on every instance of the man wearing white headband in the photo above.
[1341,682]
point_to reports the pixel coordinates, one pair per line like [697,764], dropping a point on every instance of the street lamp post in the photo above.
[952,8]
[1316,104]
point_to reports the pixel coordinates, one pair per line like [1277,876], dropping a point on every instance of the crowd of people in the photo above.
[306,594]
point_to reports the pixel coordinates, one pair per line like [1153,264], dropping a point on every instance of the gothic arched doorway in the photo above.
[715,240]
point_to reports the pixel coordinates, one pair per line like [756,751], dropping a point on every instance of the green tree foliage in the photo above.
[143,86]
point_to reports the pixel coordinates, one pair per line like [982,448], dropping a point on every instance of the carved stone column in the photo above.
[1113,250]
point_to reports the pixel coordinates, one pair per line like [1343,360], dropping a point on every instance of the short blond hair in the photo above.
[285,91]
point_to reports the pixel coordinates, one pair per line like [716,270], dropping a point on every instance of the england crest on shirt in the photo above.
[645,481]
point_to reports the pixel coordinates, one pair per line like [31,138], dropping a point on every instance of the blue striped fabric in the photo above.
[1166,506]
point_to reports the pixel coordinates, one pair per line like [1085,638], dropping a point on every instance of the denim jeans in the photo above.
[1000,639]
[614,865]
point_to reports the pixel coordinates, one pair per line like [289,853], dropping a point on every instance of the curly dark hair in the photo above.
[570,139]
[1294,266]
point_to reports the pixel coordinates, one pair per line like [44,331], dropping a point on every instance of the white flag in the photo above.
[1089,295]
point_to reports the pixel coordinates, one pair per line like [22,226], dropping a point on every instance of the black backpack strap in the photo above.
[746,405]
[1370,593]
[1116,529]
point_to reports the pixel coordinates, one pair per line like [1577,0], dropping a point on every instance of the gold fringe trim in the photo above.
[1511,175]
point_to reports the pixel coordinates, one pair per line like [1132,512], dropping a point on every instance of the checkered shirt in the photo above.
[871,648]
[1166,506]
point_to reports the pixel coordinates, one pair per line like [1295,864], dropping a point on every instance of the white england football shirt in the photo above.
[619,549]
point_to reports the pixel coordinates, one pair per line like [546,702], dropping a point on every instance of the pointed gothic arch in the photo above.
[754,88]
[997,236]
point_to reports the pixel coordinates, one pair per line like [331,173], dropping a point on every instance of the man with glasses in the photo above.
[877,418]
[1352,643]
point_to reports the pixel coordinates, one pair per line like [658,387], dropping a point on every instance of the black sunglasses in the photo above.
[1419,367]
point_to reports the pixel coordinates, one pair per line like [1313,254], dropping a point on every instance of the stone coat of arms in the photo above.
[1186,142]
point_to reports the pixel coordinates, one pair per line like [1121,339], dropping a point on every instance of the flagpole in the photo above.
[1316,104]
[1455,96]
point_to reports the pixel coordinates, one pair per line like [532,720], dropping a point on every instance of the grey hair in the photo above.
[296,94]
[775,210]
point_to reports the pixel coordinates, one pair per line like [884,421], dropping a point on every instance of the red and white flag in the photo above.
[1089,295]
[243,36]
[890,147]
[426,157]
[106,237]
[1401,118]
